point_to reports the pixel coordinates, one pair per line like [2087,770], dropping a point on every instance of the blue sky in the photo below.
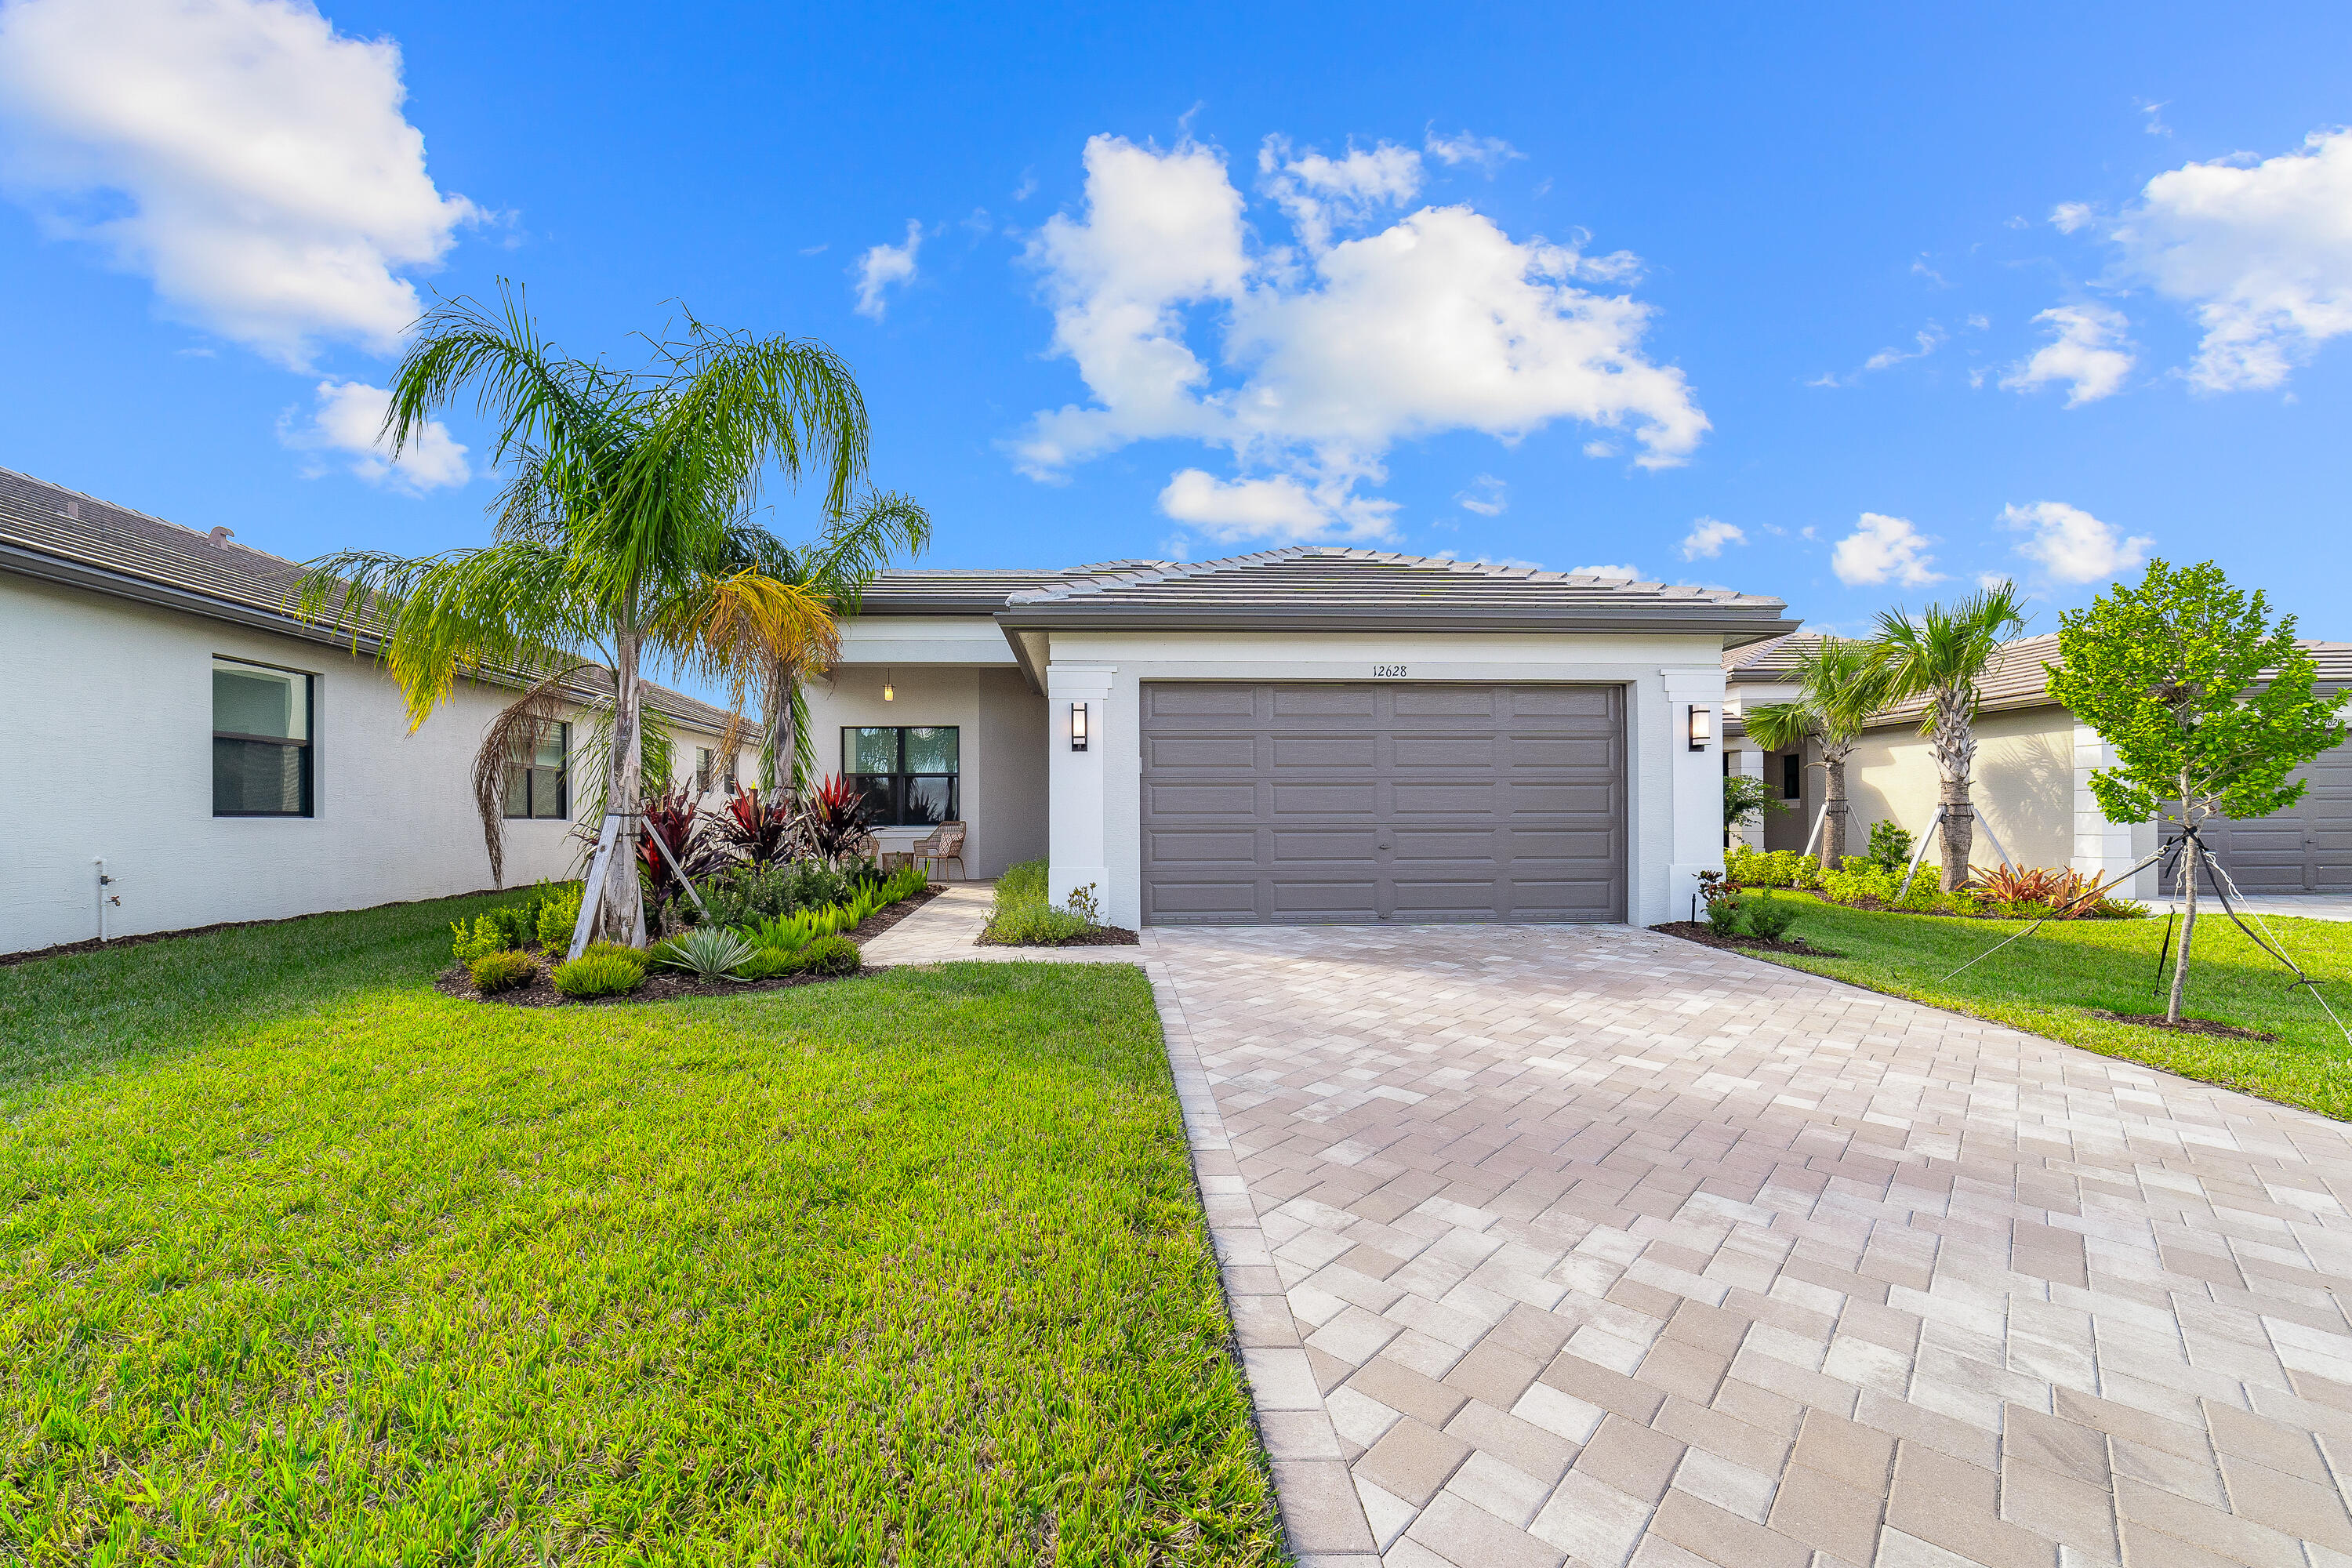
[1852,306]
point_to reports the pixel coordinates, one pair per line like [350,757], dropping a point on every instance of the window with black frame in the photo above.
[906,772]
[538,777]
[262,717]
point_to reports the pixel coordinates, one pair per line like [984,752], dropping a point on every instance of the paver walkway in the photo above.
[2300,906]
[1582,1244]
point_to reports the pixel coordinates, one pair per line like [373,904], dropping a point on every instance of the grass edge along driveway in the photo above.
[2048,984]
[305,1262]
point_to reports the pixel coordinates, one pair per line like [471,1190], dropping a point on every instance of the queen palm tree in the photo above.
[856,545]
[622,531]
[1839,686]
[1941,657]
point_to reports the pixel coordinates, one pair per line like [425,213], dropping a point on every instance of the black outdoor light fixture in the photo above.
[1702,727]
[1077,726]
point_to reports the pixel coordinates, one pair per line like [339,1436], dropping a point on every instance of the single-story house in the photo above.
[2032,782]
[1303,734]
[173,727]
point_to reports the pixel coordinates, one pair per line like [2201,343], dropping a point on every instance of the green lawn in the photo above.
[306,1263]
[2048,982]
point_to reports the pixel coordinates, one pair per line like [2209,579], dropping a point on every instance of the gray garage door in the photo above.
[1283,804]
[2306,848]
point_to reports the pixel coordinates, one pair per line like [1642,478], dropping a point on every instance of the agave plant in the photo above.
[707,953]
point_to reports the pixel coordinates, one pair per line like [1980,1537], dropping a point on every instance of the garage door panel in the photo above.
[1227,900]
[1180,848]
[1321,751]
[1225,753]
[1166,800]
[1313,701]
[1340,846]
[1357,900]
[1452,753]
[1364,801]
[2307,848]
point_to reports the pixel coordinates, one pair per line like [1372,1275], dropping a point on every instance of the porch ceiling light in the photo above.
[890,692]
[1702,727]
[1077,726]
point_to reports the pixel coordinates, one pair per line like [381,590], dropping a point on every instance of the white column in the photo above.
[1747,762]
[1076,840]
[1698,774]
[2101,848]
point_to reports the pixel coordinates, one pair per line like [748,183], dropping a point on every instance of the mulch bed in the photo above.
[671,985]
[1101,936]
[2186,1025]
[1704,934]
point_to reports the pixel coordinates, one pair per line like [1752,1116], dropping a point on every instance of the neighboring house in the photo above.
[1305,734]
[1752,676]
[168,716]
[2031,787]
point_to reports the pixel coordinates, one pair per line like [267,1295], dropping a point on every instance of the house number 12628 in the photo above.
[1388,671]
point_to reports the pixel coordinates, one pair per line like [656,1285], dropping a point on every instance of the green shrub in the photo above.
[485,935]
[1863,883]
[557,917]
[1021,915]
[1927,891]
[766,962]
[1770,918]
[829,955]
[502,971]
[707,953]
[635,955]
[1727,915]
[1890,845]
[599,975]
[1771,868]
[2113,908]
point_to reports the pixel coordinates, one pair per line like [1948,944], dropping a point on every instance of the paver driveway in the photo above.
[1585,1244]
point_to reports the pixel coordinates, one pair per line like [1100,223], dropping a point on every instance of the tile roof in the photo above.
[47,530]
[1318,588]
[1774,660]
[2017,677]
[957,592]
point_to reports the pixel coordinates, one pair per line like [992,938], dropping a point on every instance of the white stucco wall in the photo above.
[107,752]
[1675,801]
[1000,724]
[2023,784]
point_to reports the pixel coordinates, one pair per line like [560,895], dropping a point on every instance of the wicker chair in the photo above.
[945,844]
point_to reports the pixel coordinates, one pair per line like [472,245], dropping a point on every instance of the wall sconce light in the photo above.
[1702,727]
[1077,726]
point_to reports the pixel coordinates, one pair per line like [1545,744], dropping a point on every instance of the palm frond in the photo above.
[1781,726]
[517,728]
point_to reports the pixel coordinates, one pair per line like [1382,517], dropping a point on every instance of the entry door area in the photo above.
[2307,848]
[1293,803]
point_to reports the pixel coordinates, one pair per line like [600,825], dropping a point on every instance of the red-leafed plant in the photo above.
[687,831]
[757,827]
[834,818]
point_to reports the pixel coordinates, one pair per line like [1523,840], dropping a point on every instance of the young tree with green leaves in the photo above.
[1839,686]
[1941,657]
[1747,800]
[622,530]
[2207,704]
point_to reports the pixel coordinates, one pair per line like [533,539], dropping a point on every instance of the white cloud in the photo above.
[248,159]
[1488,153]
[1628,573]
[2071,544]
[1281,508]
[347,420]
[1707,537]
[1488,496]
[1319,194]
[1930,339]
[1882,550]
[2261,252]
[2068,216]
[1440,321]
[2155,125]
[2087,351]
[883,265]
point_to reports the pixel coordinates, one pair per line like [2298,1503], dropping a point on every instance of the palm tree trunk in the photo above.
[777,719]
[2191,852]
[1956,751]
[1833,804]
[620,912]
